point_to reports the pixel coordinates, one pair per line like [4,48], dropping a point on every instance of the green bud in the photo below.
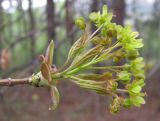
[80,22]
[139,76]
[132,54]
[114,86]
[124,76]
[139,82]
[116,59]
[94,16]
[137,66]
[116,104]
[108,75]
[127,103]
[96,40]
[105,41]
[104,10]
[111,33]
[111,85]
[118,56]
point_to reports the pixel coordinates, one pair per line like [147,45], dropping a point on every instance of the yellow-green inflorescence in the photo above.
[114,54]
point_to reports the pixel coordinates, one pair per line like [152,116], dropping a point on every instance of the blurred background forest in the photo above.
[26,28]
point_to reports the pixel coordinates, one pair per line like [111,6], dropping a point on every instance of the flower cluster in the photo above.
[115,48]
[112,43]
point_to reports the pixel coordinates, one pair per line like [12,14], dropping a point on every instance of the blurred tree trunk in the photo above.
[20,23]
[51,24]
[94,5]
[118,7]
[69,19]
[1,25]
[156,9]
[119,11]
[32,29]
[51,19]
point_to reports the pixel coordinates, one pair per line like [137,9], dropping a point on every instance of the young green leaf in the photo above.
[45,72]
[49,53]
[55,97]
[136,89]
[138,101]
[104,11]
[87,57]
[78,46]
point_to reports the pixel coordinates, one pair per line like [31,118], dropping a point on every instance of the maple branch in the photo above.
[12,82]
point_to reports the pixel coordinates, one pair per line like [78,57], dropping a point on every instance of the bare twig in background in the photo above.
[12,70]
[23,38]
[153,71]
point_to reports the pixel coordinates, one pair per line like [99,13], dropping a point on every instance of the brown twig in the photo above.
[12,82]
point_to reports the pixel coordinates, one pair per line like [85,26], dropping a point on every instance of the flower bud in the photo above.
[132,54]
[116,104]
[111,85]
[111,33]
[96,40]
[80,22]
[94,16]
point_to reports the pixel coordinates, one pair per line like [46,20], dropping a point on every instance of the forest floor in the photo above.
[25,103]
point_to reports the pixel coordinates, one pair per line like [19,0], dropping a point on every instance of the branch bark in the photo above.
[12,82]
[35,80]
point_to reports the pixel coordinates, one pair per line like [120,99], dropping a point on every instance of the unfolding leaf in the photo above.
[104,11]
[88,56]
[42,58]
[78,46]
[134,34]
[91,76]
[54,97]
[46,72]
[49,53]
